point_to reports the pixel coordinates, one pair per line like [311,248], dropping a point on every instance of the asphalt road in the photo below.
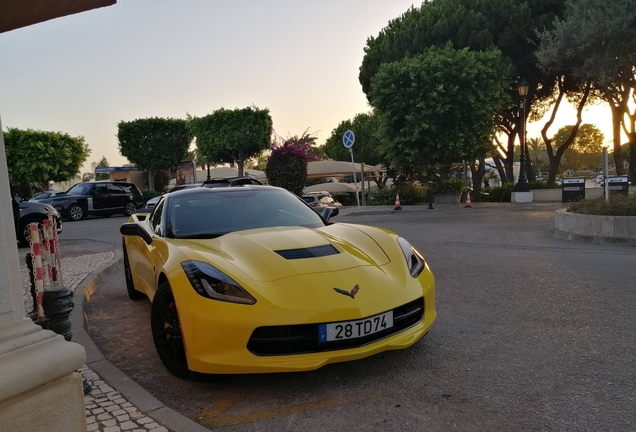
[533,333]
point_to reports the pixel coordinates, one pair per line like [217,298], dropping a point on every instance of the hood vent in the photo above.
[312,252]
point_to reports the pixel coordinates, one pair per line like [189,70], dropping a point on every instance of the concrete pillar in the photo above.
[39,388]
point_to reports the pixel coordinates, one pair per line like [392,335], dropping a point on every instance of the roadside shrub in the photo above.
[540,184]
[148,194]
[287,164]
[410,193]
[449,186]
[618,205]
[346,198]
[496,193]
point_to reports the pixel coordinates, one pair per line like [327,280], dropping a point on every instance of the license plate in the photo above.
[355,329]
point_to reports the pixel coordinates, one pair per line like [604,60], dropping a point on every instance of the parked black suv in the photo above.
[25,212]
[98,198]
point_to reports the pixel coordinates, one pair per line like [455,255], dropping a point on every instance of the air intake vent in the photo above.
[312,252]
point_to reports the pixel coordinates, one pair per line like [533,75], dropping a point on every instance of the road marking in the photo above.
[214,416]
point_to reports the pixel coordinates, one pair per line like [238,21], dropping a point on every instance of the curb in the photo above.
[597,240]
[133,392]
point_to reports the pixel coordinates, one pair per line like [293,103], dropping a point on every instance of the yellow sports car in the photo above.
[250,279]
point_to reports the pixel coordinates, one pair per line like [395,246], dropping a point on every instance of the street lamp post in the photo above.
[522,184]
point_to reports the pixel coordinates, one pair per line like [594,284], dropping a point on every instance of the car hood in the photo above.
[275,253]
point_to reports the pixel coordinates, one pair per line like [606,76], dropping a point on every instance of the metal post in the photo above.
[605,169]
[522,185]
[364,202]
[353,166]
[208,171]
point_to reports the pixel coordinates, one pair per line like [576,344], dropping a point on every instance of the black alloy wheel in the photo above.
[130,209]
[75,212]
[166,332]
[130,285]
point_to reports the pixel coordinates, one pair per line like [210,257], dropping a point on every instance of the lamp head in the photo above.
[523,88]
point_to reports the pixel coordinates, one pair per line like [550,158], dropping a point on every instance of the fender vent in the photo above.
[312,252]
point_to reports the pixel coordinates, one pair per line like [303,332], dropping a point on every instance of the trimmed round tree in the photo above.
[287,165]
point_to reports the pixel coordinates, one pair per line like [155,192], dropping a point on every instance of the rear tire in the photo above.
[130,285]
[166,332]
[130,209]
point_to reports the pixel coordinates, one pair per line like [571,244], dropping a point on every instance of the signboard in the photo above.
[186,173]
[348,139]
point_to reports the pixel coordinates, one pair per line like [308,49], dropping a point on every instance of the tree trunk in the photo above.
[530,175]
[477,172]
[151,179]
[617,115]
[239,165]
[555,157]
[500,170]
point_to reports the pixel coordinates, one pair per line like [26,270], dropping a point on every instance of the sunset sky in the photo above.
[83,74]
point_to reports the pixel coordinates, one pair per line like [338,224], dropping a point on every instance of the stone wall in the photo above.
[614,229]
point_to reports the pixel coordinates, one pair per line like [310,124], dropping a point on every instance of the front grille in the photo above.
[302,339]
[312,252]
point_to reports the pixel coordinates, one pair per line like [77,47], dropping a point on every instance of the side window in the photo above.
[115,190]
[155,221]
[255,182]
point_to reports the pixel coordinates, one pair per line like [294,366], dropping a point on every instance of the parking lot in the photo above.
[533,333]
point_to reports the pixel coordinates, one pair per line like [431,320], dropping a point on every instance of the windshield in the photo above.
[80,189]
[209,215]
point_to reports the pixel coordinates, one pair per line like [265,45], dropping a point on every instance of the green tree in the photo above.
[232,136]
[40,157]
[367,144]
[438,107]
[586,149]
[103,163]
[154,143]
[537,153]
[597,41]
[508,25]
[287,165]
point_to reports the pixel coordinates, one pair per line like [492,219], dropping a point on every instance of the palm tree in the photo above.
[538,154]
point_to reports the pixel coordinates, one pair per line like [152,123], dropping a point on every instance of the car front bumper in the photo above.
[217,334]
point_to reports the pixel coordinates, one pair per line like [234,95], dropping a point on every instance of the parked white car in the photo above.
[322,199]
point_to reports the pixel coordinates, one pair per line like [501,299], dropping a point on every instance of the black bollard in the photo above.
[429,195]
[29,263]
[58,305]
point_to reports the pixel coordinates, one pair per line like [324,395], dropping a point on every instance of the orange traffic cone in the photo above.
[468,203]
[397,202]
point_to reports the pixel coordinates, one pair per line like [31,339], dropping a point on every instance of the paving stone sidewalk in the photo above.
[106,409]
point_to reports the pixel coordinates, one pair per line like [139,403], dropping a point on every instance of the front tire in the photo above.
[130,285]
[75,212]
[130,209]
[24,234]
[166,332]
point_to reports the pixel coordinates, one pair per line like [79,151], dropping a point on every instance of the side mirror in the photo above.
[329,212]
[135,230]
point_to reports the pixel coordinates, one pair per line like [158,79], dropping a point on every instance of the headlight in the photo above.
[59,201]
[212,283]
[414,259]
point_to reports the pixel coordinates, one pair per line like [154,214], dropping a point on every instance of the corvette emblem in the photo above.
[351,294]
